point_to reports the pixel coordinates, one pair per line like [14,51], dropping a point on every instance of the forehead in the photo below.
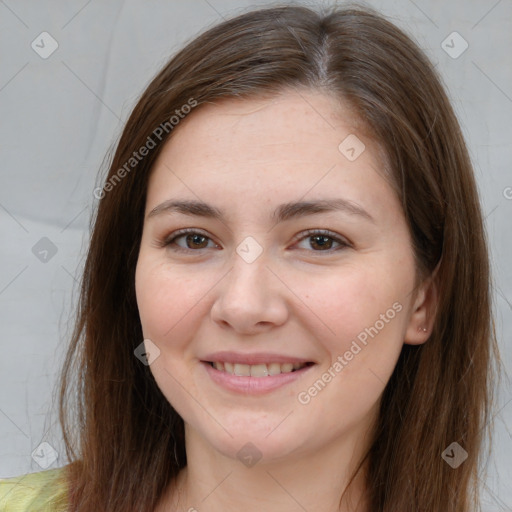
[310,119]
[289,146]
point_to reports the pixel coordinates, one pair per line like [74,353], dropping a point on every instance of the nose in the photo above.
[250,299]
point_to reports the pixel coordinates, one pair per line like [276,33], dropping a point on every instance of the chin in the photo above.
[252,440]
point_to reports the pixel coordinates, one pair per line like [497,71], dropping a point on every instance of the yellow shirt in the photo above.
[35,492]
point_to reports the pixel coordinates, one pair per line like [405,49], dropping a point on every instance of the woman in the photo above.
[285,303]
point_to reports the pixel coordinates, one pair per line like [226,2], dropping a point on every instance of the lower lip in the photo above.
[253,385]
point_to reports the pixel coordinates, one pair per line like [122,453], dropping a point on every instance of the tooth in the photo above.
[259,370]
[274,368]
[242,370]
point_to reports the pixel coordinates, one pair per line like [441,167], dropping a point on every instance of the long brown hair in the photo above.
[124,440]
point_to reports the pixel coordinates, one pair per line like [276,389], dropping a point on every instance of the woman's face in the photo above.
[298,257]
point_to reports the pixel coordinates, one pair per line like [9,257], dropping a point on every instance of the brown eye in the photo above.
[323,241]
[188,240]
[196,241]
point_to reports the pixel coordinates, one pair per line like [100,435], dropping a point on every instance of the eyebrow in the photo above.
[283,212]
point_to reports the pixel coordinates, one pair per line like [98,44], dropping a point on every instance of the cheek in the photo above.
[364,316]
[353,299]
[364,311]
[164,298]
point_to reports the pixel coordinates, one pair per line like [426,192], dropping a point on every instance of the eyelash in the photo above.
[170,240]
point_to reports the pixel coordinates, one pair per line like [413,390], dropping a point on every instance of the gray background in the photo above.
[61,114]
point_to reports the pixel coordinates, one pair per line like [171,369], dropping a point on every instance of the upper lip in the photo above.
[255,358]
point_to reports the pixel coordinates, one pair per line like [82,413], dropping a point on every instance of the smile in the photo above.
[255,379]
[257,370]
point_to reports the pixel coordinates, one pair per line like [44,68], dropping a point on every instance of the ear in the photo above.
[423,312]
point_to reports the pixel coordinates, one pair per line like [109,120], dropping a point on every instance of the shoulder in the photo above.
[45,491]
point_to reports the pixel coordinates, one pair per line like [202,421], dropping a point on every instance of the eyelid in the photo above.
[320,231]
[182,232]
[325,232]
[187,231]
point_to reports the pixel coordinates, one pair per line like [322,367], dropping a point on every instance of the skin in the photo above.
[297,298]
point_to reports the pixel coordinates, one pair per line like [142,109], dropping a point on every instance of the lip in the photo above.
[254,385]
[255,358]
